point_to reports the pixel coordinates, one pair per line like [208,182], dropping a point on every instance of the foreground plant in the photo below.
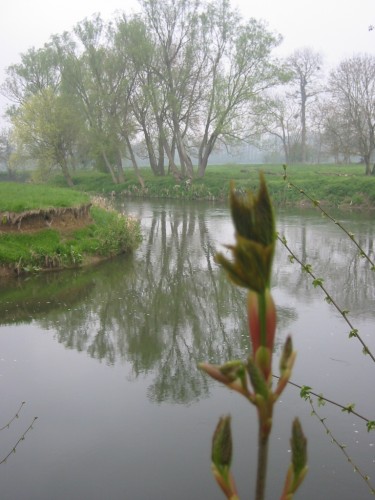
[251,267]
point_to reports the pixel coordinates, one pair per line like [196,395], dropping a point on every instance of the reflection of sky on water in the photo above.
[148,320]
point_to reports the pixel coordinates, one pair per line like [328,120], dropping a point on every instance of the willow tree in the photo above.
[209,67]
[37,71]
[46,124]
[93,73]
[176,73]
[240,69]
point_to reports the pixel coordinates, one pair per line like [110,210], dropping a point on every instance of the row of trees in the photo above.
[316,118]
[170,84]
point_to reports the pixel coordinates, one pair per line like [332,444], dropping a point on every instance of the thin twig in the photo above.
[341,447]
[322,398]
[319,282]
[13,450]
[316,203]
[6,426]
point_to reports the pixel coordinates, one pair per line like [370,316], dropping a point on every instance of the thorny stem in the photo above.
[330,299]
[341,447]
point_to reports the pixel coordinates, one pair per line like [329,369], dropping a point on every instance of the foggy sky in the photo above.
[335,28]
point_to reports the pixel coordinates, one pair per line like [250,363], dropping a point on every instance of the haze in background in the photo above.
[336,29]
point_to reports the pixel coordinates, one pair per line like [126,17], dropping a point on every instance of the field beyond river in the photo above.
[339,186]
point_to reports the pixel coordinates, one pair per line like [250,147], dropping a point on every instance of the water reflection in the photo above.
[169,306]
[130,333]
[333,257]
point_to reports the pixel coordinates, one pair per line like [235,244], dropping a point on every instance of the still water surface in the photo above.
[106,358]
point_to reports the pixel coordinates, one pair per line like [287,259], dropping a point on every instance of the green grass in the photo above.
[335,185]
[110,234]
[15,247]
[17,197]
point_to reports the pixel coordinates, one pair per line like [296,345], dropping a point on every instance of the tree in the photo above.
[95,75]
[46,129]
[207,70]
[5,149]
[239,68]
[305,66]
[352,87]
[45,122]
[279,117]
[336,135]
[182,74]
[37,71]
[172,85]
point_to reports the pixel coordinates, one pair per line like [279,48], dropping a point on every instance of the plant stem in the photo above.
[263,441]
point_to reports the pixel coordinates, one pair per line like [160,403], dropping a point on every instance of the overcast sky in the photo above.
[336,28]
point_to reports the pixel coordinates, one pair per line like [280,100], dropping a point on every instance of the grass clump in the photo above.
[109,234]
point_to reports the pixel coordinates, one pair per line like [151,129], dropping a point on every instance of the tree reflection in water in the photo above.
[162,310]
[169,305]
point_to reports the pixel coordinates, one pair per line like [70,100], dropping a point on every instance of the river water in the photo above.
[106,359]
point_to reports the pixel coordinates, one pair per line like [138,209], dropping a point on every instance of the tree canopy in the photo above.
[172,83]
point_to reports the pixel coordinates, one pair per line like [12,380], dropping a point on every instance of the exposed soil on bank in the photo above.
[62,219]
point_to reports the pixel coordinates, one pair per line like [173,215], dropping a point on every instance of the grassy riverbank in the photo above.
[338,186]
[51,228]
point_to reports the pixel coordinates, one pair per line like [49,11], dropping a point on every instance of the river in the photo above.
[106,359]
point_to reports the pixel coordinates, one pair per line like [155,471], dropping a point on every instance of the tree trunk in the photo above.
[175,172]
[161,168]
[186,163]
[110,168]
[66,173]
[366,159]
[202,166]
[120,170]
[156,167]
[134,163]
[303,122]
[204,153]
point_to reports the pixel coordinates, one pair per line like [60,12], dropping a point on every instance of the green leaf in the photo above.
[349,408]
[221,454]
[321,400]
[317,282]
[305,391]
[299,450]
[370,425]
